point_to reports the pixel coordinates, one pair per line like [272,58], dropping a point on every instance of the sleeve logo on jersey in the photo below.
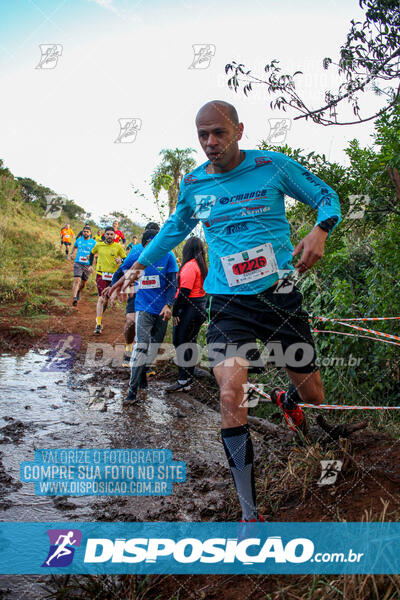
[236,228]
[326,201]
[190,179]
[262,160]
[203,205]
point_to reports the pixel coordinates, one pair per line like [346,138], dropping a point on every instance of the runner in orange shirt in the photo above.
[66,238]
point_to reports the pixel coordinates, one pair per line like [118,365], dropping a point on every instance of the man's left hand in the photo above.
[312,248]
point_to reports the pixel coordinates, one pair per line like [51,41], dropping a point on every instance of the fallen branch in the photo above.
[267,427]
[342,430]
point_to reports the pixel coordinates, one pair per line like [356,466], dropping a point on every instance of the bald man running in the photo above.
[238,195]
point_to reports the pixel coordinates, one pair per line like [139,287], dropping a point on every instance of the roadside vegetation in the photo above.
[29,247]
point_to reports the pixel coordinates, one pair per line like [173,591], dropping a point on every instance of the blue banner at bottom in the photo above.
[199,548]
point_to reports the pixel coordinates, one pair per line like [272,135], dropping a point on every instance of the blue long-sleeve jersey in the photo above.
[127,262]
[157,286]
[244,220]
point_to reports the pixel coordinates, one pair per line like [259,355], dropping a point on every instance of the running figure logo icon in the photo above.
[50,53]
[128,129]
[63,543]
[278,129]
[203,53]
[63,350]
[54,206]
[330,470]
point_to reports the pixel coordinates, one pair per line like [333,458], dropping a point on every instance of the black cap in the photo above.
[152,225]
[148,235]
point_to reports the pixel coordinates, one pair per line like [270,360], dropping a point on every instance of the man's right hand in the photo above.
[118,290]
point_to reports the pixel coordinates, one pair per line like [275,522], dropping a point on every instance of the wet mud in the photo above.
[83,408]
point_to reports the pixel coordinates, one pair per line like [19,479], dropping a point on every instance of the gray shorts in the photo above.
[81,271]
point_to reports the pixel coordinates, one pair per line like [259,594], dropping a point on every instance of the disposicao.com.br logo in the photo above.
[199,548]
[213,550]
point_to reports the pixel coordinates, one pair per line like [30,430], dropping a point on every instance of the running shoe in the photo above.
[130,398]
[259,520]
[249,529]
[180,387]
[295,418]
[75,301]
[202,373]
[98,329]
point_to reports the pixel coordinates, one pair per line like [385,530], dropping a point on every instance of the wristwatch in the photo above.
[328,224]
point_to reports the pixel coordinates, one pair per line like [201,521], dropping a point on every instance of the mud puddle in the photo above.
[83,408]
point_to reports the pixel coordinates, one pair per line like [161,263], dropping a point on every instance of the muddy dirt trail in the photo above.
[19,333]
[42,409]
[81,407]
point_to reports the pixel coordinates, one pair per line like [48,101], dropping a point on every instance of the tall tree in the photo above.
[126,224]
[175,164]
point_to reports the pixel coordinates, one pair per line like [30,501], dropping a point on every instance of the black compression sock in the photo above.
[239,452]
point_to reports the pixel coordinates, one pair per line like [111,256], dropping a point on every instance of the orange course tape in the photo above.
[369,337]
[356,319]
[326,406]
[379,333]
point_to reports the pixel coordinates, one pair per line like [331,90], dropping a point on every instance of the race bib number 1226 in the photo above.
[249,265]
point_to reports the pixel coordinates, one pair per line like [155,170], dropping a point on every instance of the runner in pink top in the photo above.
[190,277]
[189,311]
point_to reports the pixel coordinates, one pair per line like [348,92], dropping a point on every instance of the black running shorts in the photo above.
[275,317]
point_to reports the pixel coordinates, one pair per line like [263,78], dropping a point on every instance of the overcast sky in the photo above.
[123,59]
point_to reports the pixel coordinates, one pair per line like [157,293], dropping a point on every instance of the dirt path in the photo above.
[19,333]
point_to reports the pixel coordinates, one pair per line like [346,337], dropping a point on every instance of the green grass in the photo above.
[36,305]
[24,330]
[31,265]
